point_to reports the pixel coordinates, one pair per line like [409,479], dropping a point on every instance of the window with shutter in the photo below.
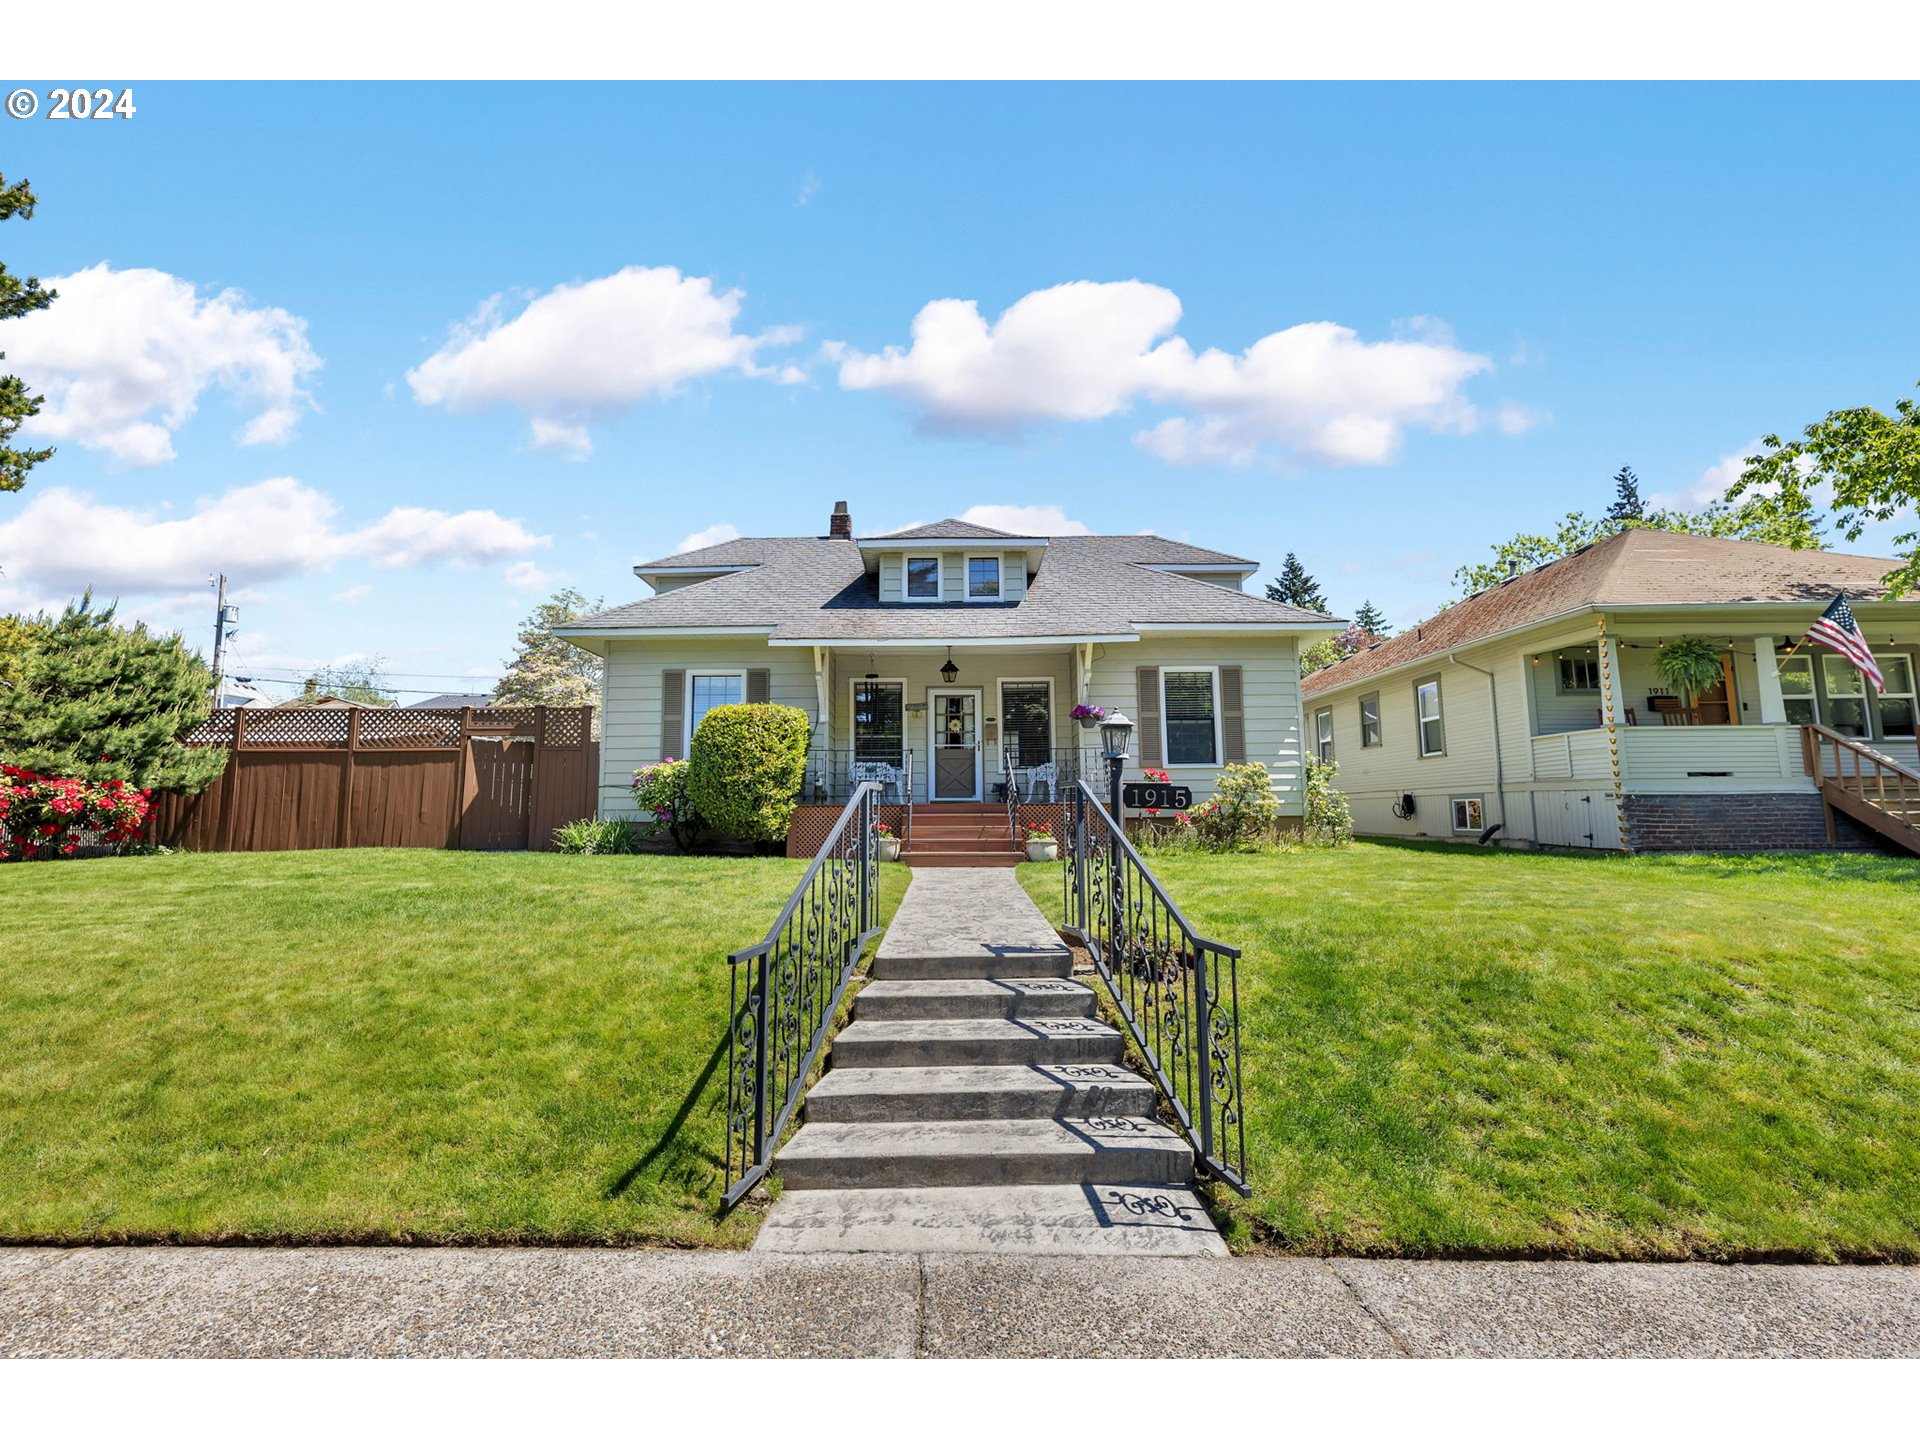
[1190,715]
[673,714]
[759,686]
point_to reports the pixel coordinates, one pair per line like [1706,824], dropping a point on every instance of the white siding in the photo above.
[891,568]
[1270,677]
[630,722]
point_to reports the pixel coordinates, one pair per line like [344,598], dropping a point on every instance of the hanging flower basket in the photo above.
[1089,716]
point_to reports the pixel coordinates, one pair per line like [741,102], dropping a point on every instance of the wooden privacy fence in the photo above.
[334,778]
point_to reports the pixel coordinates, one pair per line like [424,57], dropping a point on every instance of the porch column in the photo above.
[1612,712]
[823,696]
[1773,707]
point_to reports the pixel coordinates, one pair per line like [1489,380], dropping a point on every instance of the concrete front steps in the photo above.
[976,1104]
[964,835]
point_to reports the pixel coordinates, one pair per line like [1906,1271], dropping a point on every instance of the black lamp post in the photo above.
[1115,731]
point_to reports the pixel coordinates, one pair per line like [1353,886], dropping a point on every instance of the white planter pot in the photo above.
[1043,849]
[889,847]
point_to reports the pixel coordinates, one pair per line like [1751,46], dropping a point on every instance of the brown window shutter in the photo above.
[673,714]
[1146,725]
[759,686]
[1233,723]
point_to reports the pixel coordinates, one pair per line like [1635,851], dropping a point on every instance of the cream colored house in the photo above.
[1536,707]
[945,660]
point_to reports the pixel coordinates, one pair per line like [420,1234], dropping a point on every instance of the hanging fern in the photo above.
[1689,664]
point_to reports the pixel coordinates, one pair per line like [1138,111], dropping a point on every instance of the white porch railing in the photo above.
[1687,757]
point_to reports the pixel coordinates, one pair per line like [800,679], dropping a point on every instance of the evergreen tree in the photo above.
[1369,619]
[1627,508]
[546,670]
[17,297]
[1294,586]
[101,702]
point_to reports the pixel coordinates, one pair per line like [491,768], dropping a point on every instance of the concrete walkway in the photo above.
[977,1104]
[375,1302]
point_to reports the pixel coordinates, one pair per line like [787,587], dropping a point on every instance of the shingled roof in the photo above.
[1635,567]
[808,588]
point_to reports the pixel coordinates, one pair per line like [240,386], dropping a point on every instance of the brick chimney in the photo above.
[840,527]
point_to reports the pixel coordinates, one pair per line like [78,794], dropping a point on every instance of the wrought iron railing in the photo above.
[1177,991]
[785,991]
[1011,788]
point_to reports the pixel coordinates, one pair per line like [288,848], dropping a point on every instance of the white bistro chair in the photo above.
[1030,777]
[892,778]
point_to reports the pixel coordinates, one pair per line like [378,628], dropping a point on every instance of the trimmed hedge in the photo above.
[746,768]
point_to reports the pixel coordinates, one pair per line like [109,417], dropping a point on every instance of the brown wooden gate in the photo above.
[332,778]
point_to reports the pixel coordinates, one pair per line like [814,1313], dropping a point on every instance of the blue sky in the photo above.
[1533,285]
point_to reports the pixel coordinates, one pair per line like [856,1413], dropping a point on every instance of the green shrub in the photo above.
[1329,821]
[748,762]
[595,837]
[1242,813]
[662,789]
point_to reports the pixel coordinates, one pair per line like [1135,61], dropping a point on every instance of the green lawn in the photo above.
[385,1044]
[1452,1051]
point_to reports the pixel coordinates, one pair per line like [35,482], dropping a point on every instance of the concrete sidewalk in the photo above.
[347,1302]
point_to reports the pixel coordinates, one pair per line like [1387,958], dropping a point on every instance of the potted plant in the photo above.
[1041,844]
[1089,716]
[1689,665]
[888,842]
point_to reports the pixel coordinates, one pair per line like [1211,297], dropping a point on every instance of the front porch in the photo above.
[950,726]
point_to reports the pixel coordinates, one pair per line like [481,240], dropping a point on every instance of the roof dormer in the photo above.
[952,562]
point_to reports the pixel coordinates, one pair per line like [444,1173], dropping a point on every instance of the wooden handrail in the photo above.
[1890,815]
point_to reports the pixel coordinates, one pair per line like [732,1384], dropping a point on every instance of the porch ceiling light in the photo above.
[949,672]
[1115,731]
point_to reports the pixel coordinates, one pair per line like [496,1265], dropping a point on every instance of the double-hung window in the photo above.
[1426,705]
[1323,736]
[1370,720]
[706,691]
[923,577]
[983,577]
[1896,703]
[1190,714]
[1846,695]
[1796,690]
[879,721]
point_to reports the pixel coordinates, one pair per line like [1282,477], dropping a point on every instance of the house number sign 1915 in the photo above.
[1146,796]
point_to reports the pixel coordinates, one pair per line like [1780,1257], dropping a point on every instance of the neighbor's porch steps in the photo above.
[961,834]
[976,1103]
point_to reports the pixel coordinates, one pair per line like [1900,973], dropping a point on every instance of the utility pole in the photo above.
[224,615]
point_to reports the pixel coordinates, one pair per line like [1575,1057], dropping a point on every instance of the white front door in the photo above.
[953,744]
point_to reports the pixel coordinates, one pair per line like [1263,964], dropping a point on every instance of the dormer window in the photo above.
[983,577]
[923,577]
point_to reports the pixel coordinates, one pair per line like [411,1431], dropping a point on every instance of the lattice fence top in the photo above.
[324,728]
[384,728]
[567,727]
[409,729]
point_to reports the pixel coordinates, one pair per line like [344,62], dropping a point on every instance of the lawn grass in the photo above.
[373,1045]
[1451,1051]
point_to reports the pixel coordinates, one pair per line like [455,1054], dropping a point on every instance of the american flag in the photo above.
[1837,629]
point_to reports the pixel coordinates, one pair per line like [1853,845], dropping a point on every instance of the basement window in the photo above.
[1469,816]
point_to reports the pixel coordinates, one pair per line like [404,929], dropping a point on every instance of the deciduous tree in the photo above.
[546,670]
[1870,459]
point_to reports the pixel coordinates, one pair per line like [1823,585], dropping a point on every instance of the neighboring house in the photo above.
[451,702]
[238,692]
[1536,705]
[941,657]
[314,700]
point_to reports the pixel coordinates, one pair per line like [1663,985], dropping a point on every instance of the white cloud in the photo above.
[1513,418]
[350,595]
[713,535]
[527,577]
[1088,350]
[583,351]
[123,357]
[809,187]
[1712,483]
[1024,519]
[64,540]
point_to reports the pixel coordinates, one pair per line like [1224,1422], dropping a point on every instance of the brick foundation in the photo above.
[1736,822]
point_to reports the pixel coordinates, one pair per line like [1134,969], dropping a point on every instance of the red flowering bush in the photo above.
[43,816]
